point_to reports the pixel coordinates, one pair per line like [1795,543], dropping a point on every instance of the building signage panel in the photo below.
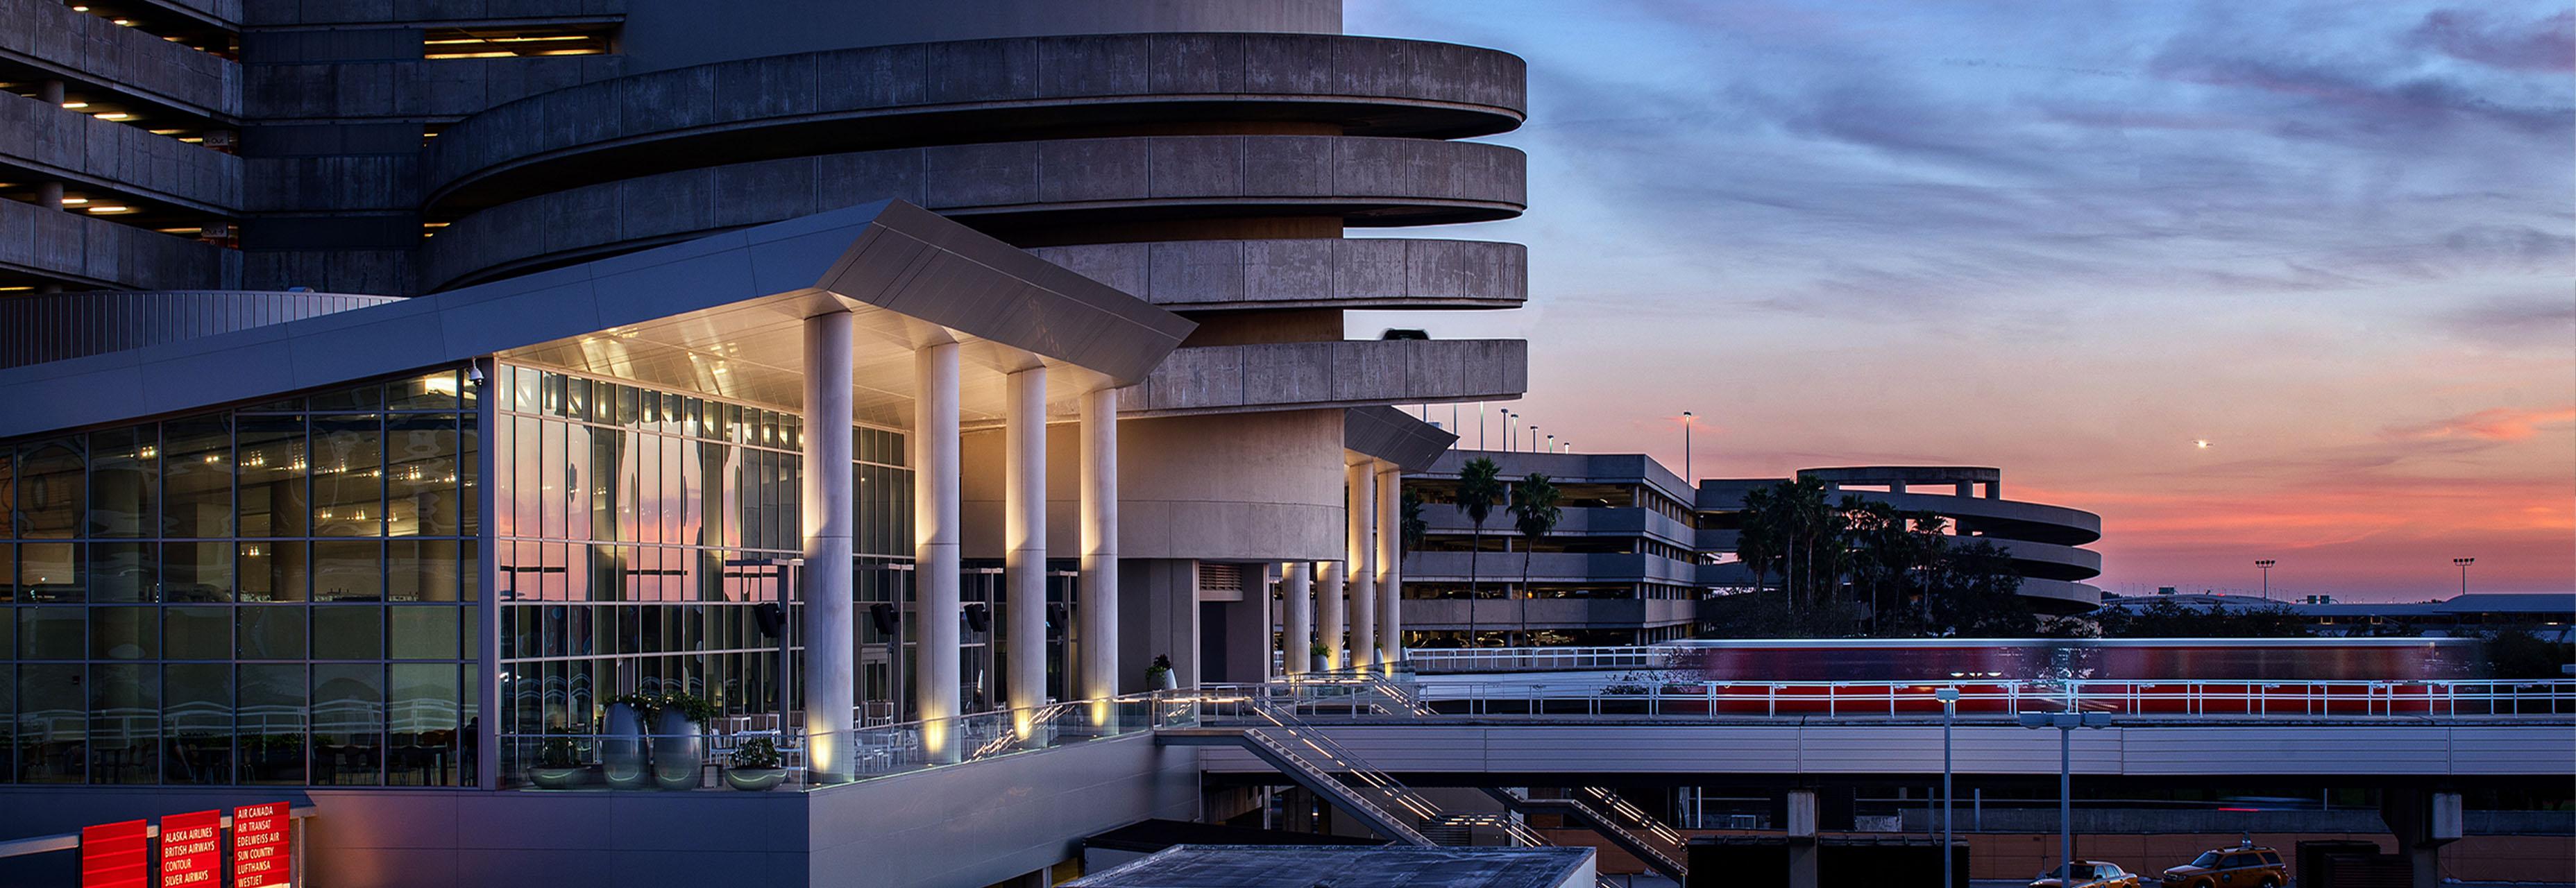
[114,855]
[192,850]
[262,846]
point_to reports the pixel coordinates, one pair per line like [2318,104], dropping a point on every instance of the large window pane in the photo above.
[197,477]
[422,632]
[272,632]
[349,632]
[53,723]
[422,724]
[526,493]
[125,723]
[197,715]
[124,480]
[434,391]
[348,571]
[272,571]
[421,570]
[52,493]
[52,633]
[49,572]
[421,492]
[469,503]
[203,632]
[196,572]
[272,500]
[348,724]
[123,571]
[125,633]
[271,724]
[348,458]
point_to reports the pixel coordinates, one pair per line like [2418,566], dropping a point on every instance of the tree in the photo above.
[1413,527]
[1972,592]
[1535,514]
[1480,488]
[2167,618]
[2516,654]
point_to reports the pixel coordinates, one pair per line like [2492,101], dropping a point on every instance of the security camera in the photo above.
[474,374]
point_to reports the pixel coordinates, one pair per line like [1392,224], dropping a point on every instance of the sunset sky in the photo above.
[2336,240]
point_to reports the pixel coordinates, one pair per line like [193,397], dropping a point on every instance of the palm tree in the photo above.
[1534,514]
[1480,487]
[1414,527]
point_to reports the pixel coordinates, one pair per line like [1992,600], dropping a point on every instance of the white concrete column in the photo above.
[831,641]
[1297,616]
[1099,591]
[1390,561]
[1024,539]
[1328,615]
[934,547]
[1360,503]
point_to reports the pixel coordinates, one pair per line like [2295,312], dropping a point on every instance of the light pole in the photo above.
[1510,434]
[1686,467]
[2265,565]
[1551,444]
[1534,437]
[2066,722]
[1949,698]
[2464,572]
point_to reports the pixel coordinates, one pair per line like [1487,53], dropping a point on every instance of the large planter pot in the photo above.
[1315,663]
[559,778]
[754,779]
[679,751]
[621,749]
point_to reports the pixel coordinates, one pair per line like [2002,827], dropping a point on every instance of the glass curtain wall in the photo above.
[282,593]
[635,532]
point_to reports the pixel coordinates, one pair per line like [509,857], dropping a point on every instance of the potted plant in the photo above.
[680,740]
[1318,657]
[1159,675]
[622,746]
[558,766]
[754,766]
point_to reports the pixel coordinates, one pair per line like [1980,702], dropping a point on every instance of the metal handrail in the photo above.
[1993,699]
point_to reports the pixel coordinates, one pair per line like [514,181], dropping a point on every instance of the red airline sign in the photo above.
[114,855]
[261,846]
[192,850]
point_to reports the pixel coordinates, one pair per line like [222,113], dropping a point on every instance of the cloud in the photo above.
[2547,44]
[2493,424]
[2517,320]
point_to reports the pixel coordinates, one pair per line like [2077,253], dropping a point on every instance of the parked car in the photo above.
[2089,874]
[2244,866]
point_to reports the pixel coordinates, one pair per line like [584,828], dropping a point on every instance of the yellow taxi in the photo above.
[2088,874]
[2244,866]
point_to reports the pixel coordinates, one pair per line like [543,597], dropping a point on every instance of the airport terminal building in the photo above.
[393,388]
[1639,548]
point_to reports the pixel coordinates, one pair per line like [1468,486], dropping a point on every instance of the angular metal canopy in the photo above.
[719,315]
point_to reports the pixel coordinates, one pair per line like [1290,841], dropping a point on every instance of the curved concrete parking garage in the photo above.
[1352,180]
[969,91]
[1351,273]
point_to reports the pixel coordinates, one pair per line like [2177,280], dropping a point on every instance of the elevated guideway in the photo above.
[1481,734]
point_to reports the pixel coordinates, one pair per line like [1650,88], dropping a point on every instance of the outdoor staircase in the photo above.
[1290,762]
[1313,760]
[1577,813]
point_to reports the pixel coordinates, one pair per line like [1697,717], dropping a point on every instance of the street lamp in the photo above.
[2464,572]
[2265,565]
[1509,433]
[2066,723]
[1949,698]
[1686,467]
